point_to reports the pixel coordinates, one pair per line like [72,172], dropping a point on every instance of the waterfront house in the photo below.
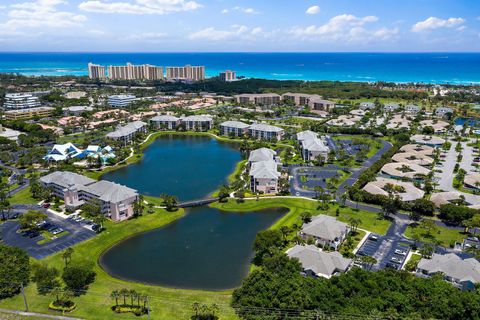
[199,123]
[62,152]
[116,200]
[462,273]
[165,122]
[266,132]
[311,146]
[326,231]
[442,111]
[127,132]
[318,263]
[264,177]
[235,128]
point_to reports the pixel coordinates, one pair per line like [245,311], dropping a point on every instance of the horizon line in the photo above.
[249,52]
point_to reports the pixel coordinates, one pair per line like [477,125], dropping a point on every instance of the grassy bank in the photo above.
[166,303]
[296,206]
[444,236]
[22,197]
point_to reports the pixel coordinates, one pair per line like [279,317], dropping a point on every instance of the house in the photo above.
[94,151]
[389,107]
[367,105]
[165,122]
[261,154]
[264,177]
[321,104]
[431,141]
[442,111]
[413,109]
[312,147]
[62,152]
[462,273]
[127,132]
[266,132]
[116,200]
[472,181]
[199,123]
[317,263]
[438,126]
[399,170]
[326,231]
[406,191]
[235,128]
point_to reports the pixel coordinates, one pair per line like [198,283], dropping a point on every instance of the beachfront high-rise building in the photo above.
[96,71]
[186,73]
[228,76]
[135,72]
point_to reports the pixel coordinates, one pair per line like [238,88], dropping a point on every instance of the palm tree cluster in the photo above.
[129,298]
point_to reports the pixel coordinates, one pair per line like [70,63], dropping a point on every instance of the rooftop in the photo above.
[325,227]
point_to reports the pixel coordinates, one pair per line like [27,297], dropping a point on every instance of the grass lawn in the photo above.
[445,236]
[166,303]
[347,248]
[49,237]
[23,197]
[370,220]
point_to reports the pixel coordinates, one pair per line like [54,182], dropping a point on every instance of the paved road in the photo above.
[76,234]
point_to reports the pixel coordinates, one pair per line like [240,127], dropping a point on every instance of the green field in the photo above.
[23,197]
[444,236]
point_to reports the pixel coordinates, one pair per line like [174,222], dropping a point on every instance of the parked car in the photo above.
[401,252]
[96,227]
[391,265]
[396,260]
[46,205]
[373,237]
[57,231]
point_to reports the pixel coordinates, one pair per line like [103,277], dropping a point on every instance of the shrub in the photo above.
[62,306]
[137,310]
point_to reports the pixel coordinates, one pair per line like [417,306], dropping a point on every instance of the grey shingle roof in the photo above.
[197,118]
[164,118]
[265,127]
[264,170]
[65,179]
[262,154]
[452,266]
[325,227]
[304,135]
[234,124]
[320,262]
[128,129]
[314,145]
[110,192]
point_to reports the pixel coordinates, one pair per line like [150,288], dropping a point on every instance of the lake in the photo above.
[189,167]
[207,249]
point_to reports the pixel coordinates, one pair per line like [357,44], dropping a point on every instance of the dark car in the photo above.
[46,205]
[33,234]
[392,265]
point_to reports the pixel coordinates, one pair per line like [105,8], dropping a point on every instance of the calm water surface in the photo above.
[189,167]
[207,249]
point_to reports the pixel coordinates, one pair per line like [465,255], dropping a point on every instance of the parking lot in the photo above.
[305,179]
[387,251]
[77,232]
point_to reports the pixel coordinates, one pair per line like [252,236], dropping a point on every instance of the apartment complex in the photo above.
[116,200]
[235,128]
[228,76]
[186,73]
[96,71]
[20,101]
[266,132]
[135,72]
[312,146]
[127,132]
[264,174]
[261,99]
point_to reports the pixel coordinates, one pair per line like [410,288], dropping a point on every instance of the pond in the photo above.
[471,122]
[189,167]
[207,249]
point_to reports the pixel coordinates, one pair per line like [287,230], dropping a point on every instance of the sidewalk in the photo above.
[38,315]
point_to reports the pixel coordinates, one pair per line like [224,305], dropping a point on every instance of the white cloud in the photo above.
[313,10]
[385,33]
[345,27]
[241,9]
[433,23]
[236,32]
[147,36]
[139,6]
[41,13]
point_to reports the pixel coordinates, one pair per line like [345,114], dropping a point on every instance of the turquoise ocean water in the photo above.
[438,68]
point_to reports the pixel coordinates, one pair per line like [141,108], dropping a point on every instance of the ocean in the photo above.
[434,68]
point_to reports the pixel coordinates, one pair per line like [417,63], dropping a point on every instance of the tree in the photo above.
[45,277]
[67,255]
[354,223]
[14,270]
[423,207]
[78,277]
[368,261]
[115,295]
[306,216]
[31,218]
[92,208]
[344,197]
[169,201]
[266,243]
[223,193]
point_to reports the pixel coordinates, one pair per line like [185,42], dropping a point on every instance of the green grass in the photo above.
[166,303]
[344,249]
[444,236]
[49,237]
[23,197]
[296,206]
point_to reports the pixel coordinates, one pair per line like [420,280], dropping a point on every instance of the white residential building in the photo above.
[266,132]
[264,177]
[127,132]
[165,122]
[15,101]
[236,128]
[326,231]
[121,100]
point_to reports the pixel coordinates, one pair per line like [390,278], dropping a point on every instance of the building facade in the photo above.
[265,132]
[135,72]
[29,113]
[199,123]
[15,101]
[165,122]
[235,128]
[186,73]
[228,76]
[96,71]
[121,100]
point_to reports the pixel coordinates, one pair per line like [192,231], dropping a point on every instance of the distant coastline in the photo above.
[431,68]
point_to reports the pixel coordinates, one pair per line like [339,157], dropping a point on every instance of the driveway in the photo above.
[76,234]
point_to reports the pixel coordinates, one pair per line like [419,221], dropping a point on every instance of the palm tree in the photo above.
[115,295]
[196,308]
[368,261]
[285,231]
[214,308]
[67,255]
[354,223]
[56,292]
[124,293]
[133,295]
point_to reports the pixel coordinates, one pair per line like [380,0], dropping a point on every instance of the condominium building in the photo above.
[186,73]
[165,122]
[116,201]
[28,113]
[127,132]
[200,123]
[135,72]
[228,76]
[20,101]
[312,146]
[121,100]
[236,128]
[300,99]
[261,99]
[96,71]
[266,132]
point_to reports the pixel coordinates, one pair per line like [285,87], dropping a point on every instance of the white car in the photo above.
[400,252]
[57,231]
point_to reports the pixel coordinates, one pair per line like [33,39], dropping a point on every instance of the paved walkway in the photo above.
[35,314]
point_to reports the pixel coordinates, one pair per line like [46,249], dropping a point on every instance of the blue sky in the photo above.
[228,25]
